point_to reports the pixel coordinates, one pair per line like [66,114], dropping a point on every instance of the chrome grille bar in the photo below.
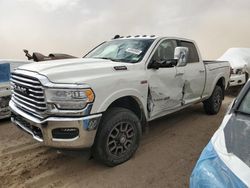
[25,80]
[28,94]
[28,99]
[28,103]
[27,109]
[25,84]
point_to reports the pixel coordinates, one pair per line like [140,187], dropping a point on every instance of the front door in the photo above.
[165,87]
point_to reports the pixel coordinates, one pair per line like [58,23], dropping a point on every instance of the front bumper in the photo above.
[237,79]
[71,132]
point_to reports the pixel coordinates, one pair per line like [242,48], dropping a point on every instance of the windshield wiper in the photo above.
[108,58]
[241,112]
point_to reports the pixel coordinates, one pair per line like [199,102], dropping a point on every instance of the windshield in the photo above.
[245,104]
[237,137]
[237,131]
[123,50]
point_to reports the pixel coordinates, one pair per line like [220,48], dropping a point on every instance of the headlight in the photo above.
[239,71]
[66,99]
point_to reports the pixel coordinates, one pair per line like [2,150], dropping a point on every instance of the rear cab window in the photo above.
[193,56]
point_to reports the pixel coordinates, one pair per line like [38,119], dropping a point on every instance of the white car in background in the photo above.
[239,59]
[7,66]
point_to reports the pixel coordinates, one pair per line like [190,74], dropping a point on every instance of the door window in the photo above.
[165,51]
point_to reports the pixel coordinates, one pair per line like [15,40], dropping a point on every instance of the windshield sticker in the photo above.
[134,51]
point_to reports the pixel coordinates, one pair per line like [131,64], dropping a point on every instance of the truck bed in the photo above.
[214,71]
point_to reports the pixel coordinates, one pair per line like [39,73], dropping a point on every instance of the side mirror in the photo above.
[181,55]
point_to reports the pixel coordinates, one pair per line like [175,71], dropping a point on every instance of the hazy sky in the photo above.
[75,26]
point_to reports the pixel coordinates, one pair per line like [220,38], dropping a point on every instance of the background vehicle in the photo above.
[6,66]
[105,99]
[239,59]
[225,161]
[40,57]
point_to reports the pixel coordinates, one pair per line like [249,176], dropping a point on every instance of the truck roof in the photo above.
[149,37]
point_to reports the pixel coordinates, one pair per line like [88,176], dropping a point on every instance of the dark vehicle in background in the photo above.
[225,161]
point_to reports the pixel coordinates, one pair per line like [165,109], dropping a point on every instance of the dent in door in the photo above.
[158,100]
[154,97]
[187,92]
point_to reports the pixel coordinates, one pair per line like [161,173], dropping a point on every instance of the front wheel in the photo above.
[118,137]
[213,103]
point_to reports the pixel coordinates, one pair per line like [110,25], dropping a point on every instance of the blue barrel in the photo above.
[4,72]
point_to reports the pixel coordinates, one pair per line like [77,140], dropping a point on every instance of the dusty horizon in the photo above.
[74,26]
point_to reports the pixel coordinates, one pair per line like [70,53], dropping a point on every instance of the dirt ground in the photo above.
[165,158]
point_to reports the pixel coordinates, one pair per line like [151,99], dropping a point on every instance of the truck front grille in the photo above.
[28,94]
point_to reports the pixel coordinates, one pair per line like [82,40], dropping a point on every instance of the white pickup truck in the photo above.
[105,99]
[239,60]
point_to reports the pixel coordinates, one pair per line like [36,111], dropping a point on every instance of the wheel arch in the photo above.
[132,103]
[222,83]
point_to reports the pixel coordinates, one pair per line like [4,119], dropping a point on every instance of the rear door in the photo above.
[165,89]
[193,74]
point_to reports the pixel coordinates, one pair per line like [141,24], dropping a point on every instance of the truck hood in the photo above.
[74,70]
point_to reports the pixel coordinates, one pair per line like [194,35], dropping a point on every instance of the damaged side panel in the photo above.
[167,92]
[187,92]
[164,94]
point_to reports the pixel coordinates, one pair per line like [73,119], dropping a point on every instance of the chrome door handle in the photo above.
[179,74]
[201,71]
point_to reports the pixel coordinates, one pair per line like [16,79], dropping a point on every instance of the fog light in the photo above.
[65,133]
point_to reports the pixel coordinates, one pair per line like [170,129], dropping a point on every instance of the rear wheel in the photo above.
[213,103]
[118,137]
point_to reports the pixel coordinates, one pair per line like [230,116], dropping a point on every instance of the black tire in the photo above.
[118,137]
[213,103]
